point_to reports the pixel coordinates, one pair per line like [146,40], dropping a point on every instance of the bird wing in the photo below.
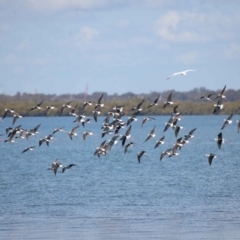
[174,74]
[100,99]
[192,131]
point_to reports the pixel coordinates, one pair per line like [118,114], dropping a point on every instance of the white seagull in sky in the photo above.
[180,73]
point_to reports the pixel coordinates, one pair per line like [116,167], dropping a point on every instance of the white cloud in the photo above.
[233,51]
[9,59]
[24,45]
[186,26]
[58,5]
[83,39]
[4,27]
[86,35]
[189,58]
[123,23]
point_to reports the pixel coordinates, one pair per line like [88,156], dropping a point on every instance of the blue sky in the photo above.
[118,46]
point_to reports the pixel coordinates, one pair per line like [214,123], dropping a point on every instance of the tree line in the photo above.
[190,102]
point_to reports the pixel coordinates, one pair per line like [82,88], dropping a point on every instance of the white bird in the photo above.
[180,73]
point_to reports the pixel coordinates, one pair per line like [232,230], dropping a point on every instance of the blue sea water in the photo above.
[115,197]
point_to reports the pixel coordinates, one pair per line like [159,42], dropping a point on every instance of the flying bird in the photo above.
[28,149]
[210,156]
[33,131]
[132,118]
[219,140]
[164,153]
[177,129]
[180,73]
[55,166]
[127,135]
[190,134]
[127,146]
[147,119]
[140,155]
[238,121]
[47,139]
[38,106]
[160,141]
[221,94]
[68,167]
[16,116]
[49,108]
[99,104]
[73,132]
[227,121]
[66,105]
[7,111]
[85,104]
[138,107]
[95,114]
[155,102]
[169,100]
[208,97]
[151,134]
[85,134]
[57,130]
[218,106]
[169,123]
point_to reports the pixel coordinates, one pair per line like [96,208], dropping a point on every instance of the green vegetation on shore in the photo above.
[190,102]
[186,108]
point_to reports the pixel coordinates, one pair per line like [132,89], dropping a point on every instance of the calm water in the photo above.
[115,197]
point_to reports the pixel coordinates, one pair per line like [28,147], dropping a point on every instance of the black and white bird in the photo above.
[73,132]
[138,107]
[8,111]
[218,107]
[86,104]
[177,128]
[140,154]
[127,135]
[16,116]
[47,139]
[101,149]
[33,131]
[190,134]
[151,134]
[66,105]
[159,142]
[38,106]
[169,123]
[169,101]
[174,150]
[132,118]
[130,144]
[55,166]
[219,140]
[164,153]
[99,104]
[95,114]
[49,108]
[147,119]
[221,94]
[208,97]
[238,121]
[68,167]
[57,130]
[28,149]
[227,121]
[210,156]
[155,102]
[85,134]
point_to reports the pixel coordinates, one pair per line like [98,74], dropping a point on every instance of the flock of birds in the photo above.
[113,123]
